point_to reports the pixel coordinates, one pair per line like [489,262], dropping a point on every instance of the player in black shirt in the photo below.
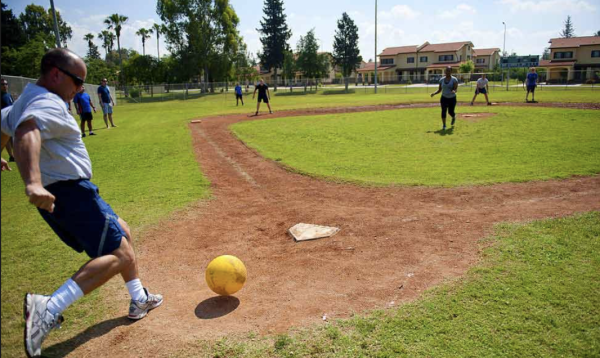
[263,95]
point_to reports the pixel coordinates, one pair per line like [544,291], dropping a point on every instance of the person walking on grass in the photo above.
[482,87]
[448,87]
[7,101]
[56,169]
[532,78]
[263,95]
[106,102]
[84,105]
[238,95]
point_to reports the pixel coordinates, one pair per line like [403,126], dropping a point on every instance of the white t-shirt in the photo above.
[63,155]
[482,82]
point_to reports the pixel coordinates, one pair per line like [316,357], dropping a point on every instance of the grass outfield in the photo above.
[535,294]
[407,146]
[146,170]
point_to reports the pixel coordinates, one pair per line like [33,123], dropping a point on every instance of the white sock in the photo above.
[136,290]
[68,293]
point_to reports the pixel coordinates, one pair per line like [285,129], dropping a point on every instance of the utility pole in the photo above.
[56,33]
[375,46]
[504,53]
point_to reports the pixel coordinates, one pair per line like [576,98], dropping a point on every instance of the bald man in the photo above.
[56,169]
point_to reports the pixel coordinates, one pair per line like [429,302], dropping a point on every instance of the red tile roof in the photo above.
[392,51]
[485,51]
[371,67]
[549,63]
[451,46]
[575,42]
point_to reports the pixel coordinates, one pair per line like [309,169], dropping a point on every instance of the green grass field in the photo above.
[407,146]
[535,294]
[147,171]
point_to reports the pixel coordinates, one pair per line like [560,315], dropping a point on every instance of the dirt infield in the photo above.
[394,243]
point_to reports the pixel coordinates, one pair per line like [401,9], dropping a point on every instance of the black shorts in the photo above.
[263,98]
[481,90]
[531,88]
[87,116]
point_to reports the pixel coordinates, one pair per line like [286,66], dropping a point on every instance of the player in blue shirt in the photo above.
[238,94]
[532,79]
[106,102]
[84,105]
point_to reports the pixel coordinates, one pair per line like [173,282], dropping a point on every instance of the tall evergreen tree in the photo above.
[310,62]
[569,30]
[346,54]
[275,35]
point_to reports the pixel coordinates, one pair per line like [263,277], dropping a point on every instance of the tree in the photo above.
[144,34]
[346,54]
[157,29]
[275,35]
[116,22]
[546,54]
[36,20]
[289,66]
[202,35]
[12,32]
[569,30]
[92,48]
[597,33]
[108,40]
[310,62]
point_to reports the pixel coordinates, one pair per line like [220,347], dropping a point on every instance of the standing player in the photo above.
[263,95]
[482,87]
[448,87]
[238,95]
[7,101]
[56,169]
[105,99]
[84,106]
[532,78]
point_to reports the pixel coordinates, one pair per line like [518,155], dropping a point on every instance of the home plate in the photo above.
[304,232]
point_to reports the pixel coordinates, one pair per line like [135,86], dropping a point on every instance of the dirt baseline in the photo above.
[394,243]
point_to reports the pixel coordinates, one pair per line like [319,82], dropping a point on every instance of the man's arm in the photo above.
[92,104]
[27,147]
[5,139]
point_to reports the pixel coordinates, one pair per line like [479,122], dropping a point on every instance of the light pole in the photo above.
[375,46]
[503,53]
[56,33]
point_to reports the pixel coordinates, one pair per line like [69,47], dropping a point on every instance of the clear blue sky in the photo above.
[530,23]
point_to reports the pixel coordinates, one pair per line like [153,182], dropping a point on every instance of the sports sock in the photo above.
[68,293]
[136,290]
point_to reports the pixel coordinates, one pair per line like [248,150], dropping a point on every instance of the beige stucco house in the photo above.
[485,59]
[575,59]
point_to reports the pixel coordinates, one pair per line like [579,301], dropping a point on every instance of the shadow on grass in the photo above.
[216,307]
[98,330]
[443,132]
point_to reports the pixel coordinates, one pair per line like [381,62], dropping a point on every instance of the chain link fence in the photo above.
[16,85]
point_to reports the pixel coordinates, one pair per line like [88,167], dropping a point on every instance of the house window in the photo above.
[387,61]
[444,58]
[560,55]
[423,59]
[468,57]
[596,53]
[410,60]
[481,60]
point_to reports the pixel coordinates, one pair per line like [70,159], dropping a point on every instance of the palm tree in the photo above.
[158,29]
[89,38]
[116,21]
[144,34]
[108,40]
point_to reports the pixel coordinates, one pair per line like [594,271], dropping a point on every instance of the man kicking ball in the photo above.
[482,87]
[263,95]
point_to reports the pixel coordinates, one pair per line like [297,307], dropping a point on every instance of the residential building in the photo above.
[575,59]
[485,59]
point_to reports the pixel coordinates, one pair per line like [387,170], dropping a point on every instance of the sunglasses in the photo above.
[76,79]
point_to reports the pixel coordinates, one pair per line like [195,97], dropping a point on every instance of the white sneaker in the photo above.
[38,323]
[139,310]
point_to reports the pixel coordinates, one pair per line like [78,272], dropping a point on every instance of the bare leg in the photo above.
[269,105]
[486,98]
[111,120]
[82,127]
[257,107]
[9,149]
[475,96]
[89,123]
[106,120]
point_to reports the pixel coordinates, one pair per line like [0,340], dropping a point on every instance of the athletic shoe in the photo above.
[92,133]
[114,126]
[83,135]
[256,114]
[453,120]
[38,323]
[471,103]
[139,310]
[270,112]
[11,159]
[489,103]
[444,128]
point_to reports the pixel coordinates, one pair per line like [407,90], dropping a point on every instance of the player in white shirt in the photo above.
[482,87]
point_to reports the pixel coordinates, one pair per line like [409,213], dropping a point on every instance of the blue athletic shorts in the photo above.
[531,88]
[82,219]
[481,90]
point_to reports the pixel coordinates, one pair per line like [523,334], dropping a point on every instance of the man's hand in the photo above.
[5,165]
[40,197]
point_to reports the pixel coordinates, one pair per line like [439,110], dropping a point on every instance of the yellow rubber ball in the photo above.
[226,275]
